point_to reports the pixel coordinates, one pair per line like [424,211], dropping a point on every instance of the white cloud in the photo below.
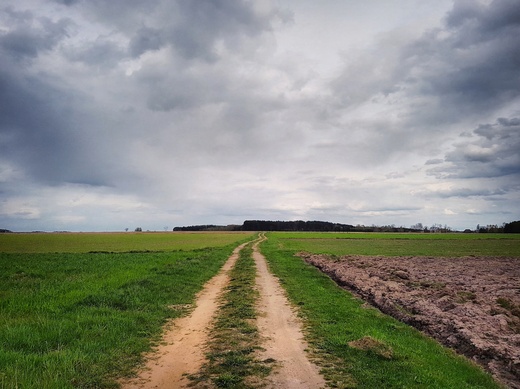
[19,208]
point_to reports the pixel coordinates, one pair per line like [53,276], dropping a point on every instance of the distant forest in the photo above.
[268,225]
[300,225]
[321,226]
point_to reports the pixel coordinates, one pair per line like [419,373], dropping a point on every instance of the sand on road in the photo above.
[282,329]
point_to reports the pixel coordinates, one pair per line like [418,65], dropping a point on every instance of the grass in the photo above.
[231,357]
[357,345]
[437,245]
[506,303]
[80,320]
[115,242]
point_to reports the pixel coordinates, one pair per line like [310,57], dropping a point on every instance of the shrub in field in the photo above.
[513,227]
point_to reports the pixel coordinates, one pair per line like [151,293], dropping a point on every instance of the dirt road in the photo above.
[184,341]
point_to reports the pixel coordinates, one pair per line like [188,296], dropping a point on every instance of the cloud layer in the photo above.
[122,114]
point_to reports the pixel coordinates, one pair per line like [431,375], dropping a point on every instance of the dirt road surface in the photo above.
[184,341]
[278,323]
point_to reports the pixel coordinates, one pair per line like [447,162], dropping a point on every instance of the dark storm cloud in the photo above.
[102,53]
[491,151]
[30,36]
[31,124]
[413,91]
[196,33]
[192,28]
[119,15]
[51,126]
[38,132]
[434,161]
[146,39]
[469,66]
[469,192]
[205,22]
[67,2]
[181,89]
[476,55]
[499,15]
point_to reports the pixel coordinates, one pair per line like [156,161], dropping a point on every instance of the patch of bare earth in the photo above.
[282,331]
[182,350]
[470,304]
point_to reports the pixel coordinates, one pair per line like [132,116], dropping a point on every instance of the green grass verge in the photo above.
[359,347]
[438,245]
[116,242]
[82,320]
[234,339]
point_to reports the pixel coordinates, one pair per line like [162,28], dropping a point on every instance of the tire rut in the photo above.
[279,325]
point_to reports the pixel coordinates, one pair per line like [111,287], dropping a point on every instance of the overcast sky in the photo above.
[120,114]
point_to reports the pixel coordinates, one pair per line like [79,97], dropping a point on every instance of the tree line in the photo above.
[270,225]
[323,226]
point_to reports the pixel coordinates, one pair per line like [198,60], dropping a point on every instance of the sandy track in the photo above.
[184,343]
[182,349]
[279,325]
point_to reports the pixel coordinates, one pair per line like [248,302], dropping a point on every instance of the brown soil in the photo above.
[469,304]
[182,351]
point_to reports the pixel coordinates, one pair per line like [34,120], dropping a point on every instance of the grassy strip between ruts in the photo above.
[234,338]
[82,320]
[357,345]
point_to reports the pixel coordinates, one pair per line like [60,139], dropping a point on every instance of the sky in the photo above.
[161,113]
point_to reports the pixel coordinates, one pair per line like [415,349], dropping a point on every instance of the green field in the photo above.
[395,244]
[83,319]
[114,242]
[79,310]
